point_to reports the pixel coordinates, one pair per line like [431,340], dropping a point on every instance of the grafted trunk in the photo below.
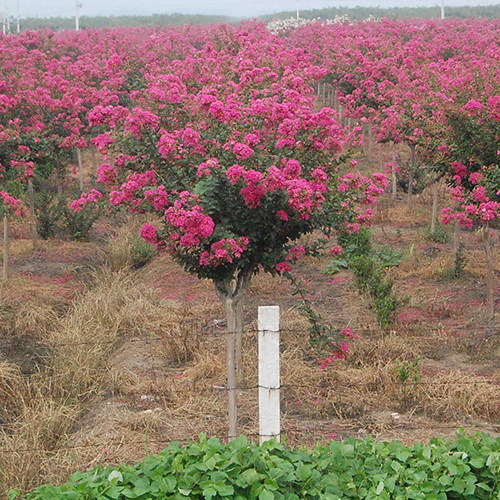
[411,176]
[231,294]
[6,248]
[490,275]
[31,196]
[434,207]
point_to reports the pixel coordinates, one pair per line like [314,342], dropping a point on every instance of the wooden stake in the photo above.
[393,174]
[370,140]
[456,237]
[411,176]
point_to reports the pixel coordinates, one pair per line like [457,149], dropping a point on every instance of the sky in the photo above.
[236,8]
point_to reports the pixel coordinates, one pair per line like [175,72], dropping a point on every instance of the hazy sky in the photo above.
[248,8]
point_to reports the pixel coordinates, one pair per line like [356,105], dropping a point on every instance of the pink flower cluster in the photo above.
[205,168]
[13,205]
[191,224]
[149,233]
[304,196]
[91,197]
[135,184]
[106,174]
[139,120]
[224,251]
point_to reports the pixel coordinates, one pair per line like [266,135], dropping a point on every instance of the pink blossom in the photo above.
[149,233]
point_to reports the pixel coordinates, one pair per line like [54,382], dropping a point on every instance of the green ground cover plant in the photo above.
[465,468]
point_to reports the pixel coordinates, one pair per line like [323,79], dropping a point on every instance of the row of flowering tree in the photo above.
[221,119]
[432,85]
[215,131]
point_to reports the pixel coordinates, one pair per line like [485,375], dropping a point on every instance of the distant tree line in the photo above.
[354,13]
[60,23]
[358,13]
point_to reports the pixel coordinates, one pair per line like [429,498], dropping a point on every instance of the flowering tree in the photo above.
[230,154]
[473,172]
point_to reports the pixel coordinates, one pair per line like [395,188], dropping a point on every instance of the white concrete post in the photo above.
[269,373]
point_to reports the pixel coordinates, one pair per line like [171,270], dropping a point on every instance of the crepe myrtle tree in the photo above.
[237,179]
[473,172]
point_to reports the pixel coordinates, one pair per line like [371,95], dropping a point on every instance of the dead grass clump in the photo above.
[477,345]
[476,262]
[400,213]
[28,444]
[12,383]
[126,249]
[457,394]
[380,350]
[34,317]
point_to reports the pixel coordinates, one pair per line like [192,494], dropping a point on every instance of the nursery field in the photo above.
[158,185]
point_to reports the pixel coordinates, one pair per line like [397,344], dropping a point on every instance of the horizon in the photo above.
[229,8]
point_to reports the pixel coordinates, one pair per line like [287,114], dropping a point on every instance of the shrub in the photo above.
[127,249]
[370,269]
[465,468]
[439,235]
[79,223]
[48,214]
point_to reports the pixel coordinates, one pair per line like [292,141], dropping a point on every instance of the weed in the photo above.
[408,374]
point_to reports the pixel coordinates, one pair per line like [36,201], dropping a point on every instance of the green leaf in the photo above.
[477,462]
[115,475]
[304,472]
[266,495]
[209,493]
[380,488]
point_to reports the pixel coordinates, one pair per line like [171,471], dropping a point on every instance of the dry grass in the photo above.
[457,394]
[39,413]
[124,248]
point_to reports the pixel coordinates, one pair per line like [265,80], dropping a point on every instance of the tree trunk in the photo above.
[434,207]
[232,297]
[31,195]
[6,248]
[490,276]
[231,368]
[393,174]
[240,319]
[370,141]
[456,237]
[411,176]
[95,163]
[80,167]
